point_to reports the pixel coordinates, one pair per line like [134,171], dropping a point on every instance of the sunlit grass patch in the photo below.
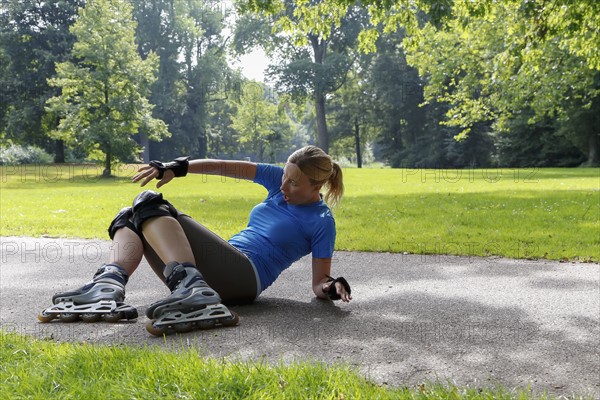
[40,369]
[522,213]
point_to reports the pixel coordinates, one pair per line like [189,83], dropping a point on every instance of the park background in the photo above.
[419,84]
[467,114]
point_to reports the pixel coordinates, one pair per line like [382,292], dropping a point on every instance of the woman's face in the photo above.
[296,186]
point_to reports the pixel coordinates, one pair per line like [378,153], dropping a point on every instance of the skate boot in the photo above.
[101,298]
[192,304]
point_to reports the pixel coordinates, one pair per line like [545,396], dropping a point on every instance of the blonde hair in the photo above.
[321,170]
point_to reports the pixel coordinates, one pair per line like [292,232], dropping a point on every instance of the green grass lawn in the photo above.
[519,213]
[44,370]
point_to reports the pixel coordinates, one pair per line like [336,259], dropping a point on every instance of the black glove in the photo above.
[179,166]
[332,292]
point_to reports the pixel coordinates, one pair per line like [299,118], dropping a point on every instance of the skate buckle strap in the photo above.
[116,270]
[332,292]
[177,275]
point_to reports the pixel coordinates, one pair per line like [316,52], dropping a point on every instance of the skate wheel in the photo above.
[45,318]
[91,317]
[207,324]
[183,327]
[155,330]
[113,317]
[68,317]
[230,321]
[131,314]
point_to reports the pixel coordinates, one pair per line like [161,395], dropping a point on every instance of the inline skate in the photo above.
[101,298]
[192,304]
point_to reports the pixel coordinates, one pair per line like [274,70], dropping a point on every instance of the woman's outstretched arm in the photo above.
[229,168]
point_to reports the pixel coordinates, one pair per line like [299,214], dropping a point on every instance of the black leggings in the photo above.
[226,269]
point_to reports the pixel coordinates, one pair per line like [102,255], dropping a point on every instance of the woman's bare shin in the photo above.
[166,236]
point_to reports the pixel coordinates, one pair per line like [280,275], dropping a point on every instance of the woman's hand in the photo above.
[340,289]
[321,281]
[147,173]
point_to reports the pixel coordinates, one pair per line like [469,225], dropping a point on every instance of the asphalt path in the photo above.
[468,321]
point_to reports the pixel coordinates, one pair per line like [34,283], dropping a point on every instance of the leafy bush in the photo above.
[16,154]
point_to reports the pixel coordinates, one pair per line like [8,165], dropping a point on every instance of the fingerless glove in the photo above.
[332,292]
[179,166]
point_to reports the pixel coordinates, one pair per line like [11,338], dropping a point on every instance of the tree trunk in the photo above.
[106,172]
[260,151]
[59,146]
[59,156]
[145,142]
[319,49]
[593,150]
[107,169]
[594,130]
[357,141]
[202,143]
[322,135]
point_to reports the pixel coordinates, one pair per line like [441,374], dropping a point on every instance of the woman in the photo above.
[202,269]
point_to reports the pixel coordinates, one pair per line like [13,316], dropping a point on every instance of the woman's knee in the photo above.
[122,220]
[150,204]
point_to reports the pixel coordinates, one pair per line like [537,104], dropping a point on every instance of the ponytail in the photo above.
[335,186]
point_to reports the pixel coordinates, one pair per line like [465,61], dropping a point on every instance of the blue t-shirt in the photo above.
[279,234]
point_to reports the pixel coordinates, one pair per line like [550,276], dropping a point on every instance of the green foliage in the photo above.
[221,137]
[501,77]
[351,117]
[16,154]
[34,36]
[537,145]
[320,18]
[573,24]
[408,131]
[314,59]
[259,122]
[487,60]
[104,91]
[252,30]
[193,79]
[491,65]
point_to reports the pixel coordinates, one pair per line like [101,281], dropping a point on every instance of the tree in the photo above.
[397,93]
[574,24]
[491,69]
[322,17]
[352,116]
[103,100]
[539,145]
[193,73]
[221,136]
[34,36]
[487,59]
[310,65]
[259,122]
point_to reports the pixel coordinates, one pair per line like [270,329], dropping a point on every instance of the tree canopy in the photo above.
[103,100]
[489,60]
[415,83]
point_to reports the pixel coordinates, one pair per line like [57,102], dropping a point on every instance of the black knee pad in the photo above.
[150,204]
[123,219]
